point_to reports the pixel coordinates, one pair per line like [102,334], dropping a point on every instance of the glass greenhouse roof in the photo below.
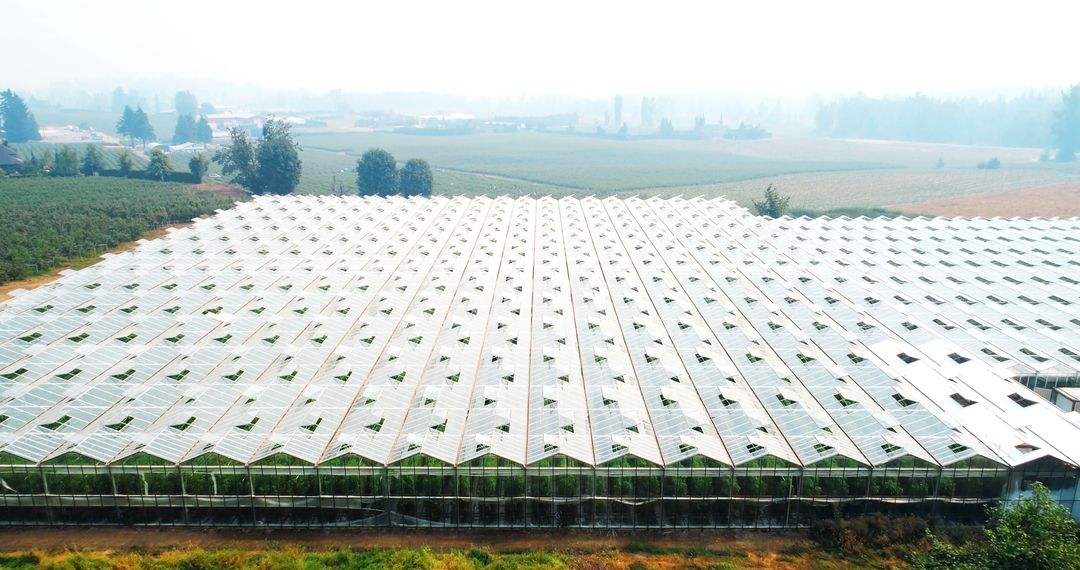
[594,329]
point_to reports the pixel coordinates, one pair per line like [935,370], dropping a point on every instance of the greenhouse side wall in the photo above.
[558,494]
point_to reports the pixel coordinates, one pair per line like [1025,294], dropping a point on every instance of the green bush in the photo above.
[1034,533]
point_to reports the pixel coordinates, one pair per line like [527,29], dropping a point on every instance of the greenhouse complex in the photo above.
[499,362]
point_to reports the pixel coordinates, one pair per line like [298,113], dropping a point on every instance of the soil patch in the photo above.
[1057,200]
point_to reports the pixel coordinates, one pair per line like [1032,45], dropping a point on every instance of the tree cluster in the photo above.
[1022,122]
[135,125]
[16,120]
[190,130]
[377,174]
[270,165]
[1066,127]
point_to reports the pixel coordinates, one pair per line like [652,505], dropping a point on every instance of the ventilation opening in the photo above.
[961,400]
[1020,400]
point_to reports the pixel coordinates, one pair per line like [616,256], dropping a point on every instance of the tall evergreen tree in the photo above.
[92,163]
[203,132]
[185,129]
[1067,125]
[144,131]
[16,119]
[126,125]
[65,162]
[185,103]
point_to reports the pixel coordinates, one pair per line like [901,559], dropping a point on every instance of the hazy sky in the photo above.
[579,47]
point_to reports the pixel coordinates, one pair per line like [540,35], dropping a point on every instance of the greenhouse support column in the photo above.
[731,495]
[183,495]
[500,492]
[251,497]
[787,511]
[48,500]
[937,496]
[869,485]
[116,495]
[387,506]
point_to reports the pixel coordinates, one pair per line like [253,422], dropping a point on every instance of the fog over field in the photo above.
[838,104]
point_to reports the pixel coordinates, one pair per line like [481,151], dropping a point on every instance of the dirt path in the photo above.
[121,538]
[1060,200]
[80,263]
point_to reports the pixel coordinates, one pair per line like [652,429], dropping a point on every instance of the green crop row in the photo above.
[46,221]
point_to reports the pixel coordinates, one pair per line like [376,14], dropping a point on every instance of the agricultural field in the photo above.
[584,164]
[890,188]
[105,121]
[323,171]
[819,174]
[110,156]
[47,221]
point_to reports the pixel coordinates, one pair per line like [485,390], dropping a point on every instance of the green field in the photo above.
[47,221]
[818,174]
[110,156]
[585,164]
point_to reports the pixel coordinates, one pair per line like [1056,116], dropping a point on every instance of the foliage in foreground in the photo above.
[1035,533]
[640,557]
[44,221]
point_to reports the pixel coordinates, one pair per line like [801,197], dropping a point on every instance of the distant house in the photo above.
[9,159]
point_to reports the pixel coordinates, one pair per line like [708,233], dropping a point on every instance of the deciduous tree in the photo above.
[377,174]
[160,165]
[270,166]
[127,163]
[416,179]
[277,160]
[237,159]
[198,166]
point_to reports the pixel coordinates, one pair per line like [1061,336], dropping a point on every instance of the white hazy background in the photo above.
[582,47]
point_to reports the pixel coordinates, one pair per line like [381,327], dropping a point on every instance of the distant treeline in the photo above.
[1024,121]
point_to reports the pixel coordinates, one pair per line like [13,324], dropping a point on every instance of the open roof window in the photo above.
[961,400]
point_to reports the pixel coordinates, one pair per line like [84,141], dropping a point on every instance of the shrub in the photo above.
[480,556]
[1034,533]
[774,205]
[854,535]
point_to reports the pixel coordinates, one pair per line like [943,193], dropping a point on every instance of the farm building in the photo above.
[544,363]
